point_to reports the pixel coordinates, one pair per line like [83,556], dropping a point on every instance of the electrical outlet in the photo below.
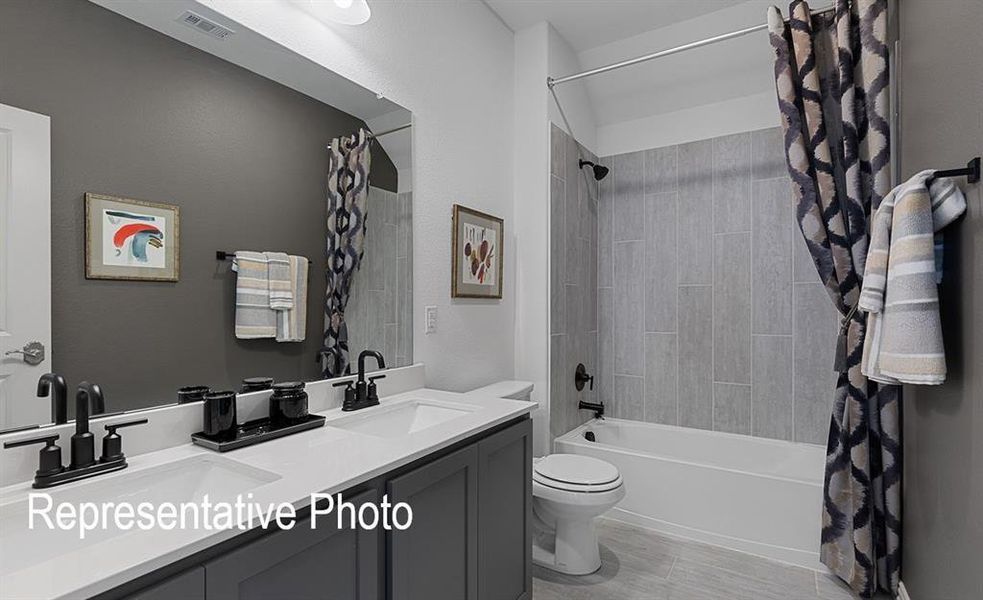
[430,319]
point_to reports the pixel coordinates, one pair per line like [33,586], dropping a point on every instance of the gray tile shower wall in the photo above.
[710,312]
[380,309]
[574,301]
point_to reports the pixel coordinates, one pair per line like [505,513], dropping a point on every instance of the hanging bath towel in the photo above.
[254,317]
[903,343]
[291,324]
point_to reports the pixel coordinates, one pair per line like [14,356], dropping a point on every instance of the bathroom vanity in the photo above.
[462,464]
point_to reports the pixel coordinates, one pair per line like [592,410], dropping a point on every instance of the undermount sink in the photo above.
[400,419]
[187,480]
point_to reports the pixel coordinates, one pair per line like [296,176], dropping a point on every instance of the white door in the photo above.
[25,264]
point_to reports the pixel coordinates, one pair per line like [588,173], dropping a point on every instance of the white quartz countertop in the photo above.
[55,564]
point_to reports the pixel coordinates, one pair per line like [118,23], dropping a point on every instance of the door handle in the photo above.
[32,353]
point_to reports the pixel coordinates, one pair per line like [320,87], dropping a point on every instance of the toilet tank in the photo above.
[512,390]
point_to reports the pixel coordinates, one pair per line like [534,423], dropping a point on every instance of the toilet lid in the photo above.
[575,469]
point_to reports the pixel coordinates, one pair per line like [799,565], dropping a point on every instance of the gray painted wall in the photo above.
[135,113]
[942,127]
[573,281]
[711,314]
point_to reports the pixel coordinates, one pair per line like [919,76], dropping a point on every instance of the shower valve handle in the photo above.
[581,376]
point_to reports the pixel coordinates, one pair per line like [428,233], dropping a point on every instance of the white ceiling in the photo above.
[252,51]
[586,24]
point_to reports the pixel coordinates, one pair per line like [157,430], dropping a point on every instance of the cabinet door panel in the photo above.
[505,513]
[436,558]
[302,563]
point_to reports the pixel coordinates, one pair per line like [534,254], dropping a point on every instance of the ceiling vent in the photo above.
[203,25]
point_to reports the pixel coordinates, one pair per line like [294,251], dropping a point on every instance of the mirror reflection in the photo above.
[172,205]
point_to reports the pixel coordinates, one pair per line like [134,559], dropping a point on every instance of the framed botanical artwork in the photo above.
[476,269]
[131,239]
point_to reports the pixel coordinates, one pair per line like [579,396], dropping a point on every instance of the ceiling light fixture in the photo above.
[347,12]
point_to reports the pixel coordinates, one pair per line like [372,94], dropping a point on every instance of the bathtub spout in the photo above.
[597,407]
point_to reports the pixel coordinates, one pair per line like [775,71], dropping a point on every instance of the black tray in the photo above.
[255,432]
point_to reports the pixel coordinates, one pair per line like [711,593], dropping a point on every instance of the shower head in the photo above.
[600,171]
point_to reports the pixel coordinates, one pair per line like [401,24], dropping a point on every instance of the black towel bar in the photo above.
[223,255]
[972,172]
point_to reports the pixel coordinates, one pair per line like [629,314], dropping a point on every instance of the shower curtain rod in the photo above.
[388,131]
[550,82]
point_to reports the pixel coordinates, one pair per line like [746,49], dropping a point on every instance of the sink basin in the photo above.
[180,481]
[399,419]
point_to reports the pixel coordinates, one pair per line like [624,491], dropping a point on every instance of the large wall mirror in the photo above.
[141,102]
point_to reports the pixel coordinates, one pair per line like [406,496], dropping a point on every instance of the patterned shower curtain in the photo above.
[831,75]
[348,185]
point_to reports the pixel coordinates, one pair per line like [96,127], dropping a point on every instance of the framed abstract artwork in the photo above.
[476,269]
[131,239]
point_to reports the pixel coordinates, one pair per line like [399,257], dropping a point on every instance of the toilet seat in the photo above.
[576,473]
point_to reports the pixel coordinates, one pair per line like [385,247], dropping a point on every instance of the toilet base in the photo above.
[570,548]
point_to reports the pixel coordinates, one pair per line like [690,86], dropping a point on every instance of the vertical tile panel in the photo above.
[814,346]
[558,391]
[605,344]
[660,170]
[605,233]
[404,221]
[771,269]
[732,408]
[404,318]
[390,340]
[389,248]
[660,378]
[772,400]
[768,154]
[628,403]
[695,248]
[558,152]
[660,262]
[558,256]
[629,197]
[695,392]
[732,183]
[575,310]
[732,308]
[629,307]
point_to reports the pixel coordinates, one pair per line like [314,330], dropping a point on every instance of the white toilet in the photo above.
[568,492]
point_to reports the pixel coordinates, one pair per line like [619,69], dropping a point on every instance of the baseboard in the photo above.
[902,592]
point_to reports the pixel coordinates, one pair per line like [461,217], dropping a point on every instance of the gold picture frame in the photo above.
[131,240]
[477,261]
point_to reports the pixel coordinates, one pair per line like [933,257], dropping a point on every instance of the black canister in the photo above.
[256,384]
[191,393]
[220,415]
[288,404]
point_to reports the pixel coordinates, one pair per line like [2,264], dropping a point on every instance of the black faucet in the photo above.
[54,384]
[364,393]
[597,407]
[83,442]
[83,464]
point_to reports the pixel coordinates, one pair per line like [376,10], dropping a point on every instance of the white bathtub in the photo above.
[750,494]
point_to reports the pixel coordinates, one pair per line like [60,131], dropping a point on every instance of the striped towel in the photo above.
[291,325]
[254,317]
[281,292]
[903,343]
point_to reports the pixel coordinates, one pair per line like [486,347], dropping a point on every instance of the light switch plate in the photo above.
[430,319]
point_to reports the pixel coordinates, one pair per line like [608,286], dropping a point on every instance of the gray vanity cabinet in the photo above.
[470,539]
[302,563]
[471,535]
[437,557]
[504,514]
[189,585]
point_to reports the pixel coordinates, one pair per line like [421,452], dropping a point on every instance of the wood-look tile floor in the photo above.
[638,564]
